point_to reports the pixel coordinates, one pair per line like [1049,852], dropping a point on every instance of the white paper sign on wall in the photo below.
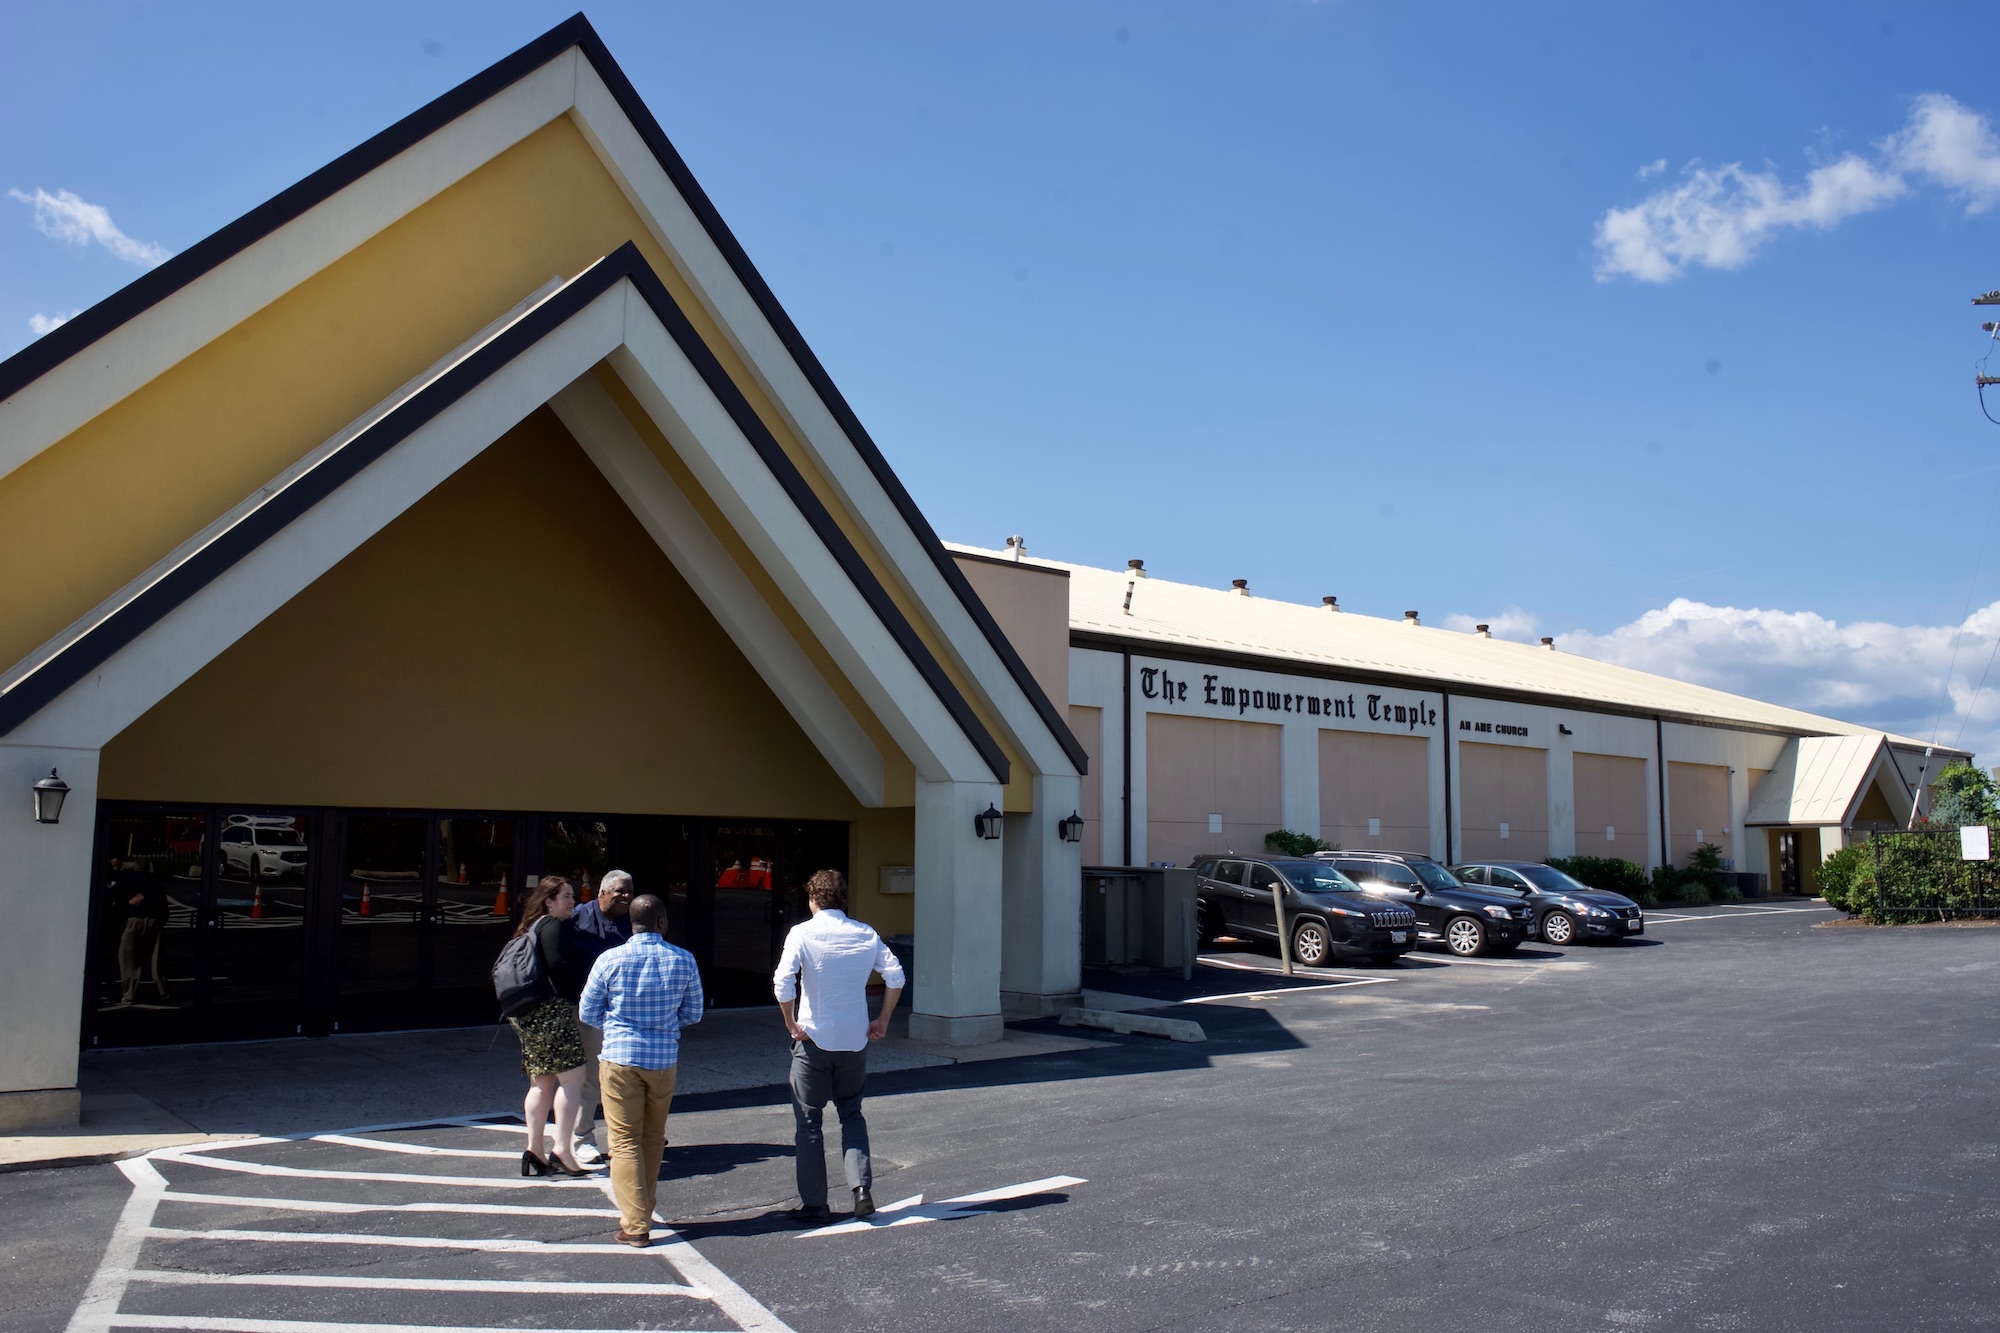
[1215,823]
[1974,843]
[1374,828]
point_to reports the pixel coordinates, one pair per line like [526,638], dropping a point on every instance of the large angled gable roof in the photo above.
[78,336]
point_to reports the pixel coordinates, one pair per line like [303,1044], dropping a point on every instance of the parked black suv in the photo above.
[1564,910]
[1327,913]
[1467,921]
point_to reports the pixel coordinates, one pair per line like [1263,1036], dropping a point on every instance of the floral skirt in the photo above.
[551,1039]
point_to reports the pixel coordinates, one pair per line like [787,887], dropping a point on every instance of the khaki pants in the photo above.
[635,1116]
[589,1094]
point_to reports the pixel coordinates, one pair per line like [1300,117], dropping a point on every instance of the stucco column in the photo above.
[957,996]
[45,898]
[1041,932]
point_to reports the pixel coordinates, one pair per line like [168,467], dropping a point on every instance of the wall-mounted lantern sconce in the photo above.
[49,794]
[1071,829]
[987,823]
[1564,730]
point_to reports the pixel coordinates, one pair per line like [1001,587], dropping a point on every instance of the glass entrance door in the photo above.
[758,873]
[200,924]
[475,899]
[379,948]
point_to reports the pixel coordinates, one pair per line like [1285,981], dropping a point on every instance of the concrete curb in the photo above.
[1151,1025]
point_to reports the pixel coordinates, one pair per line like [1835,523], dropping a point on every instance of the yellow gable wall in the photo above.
[514,641]
[101,506]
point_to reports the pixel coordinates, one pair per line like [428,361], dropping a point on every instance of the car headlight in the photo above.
[1588,910]
[1494,909]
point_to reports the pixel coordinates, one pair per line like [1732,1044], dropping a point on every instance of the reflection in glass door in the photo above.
[148,909]
[578,849]
[748,913]
[475,895]
[257,924]
[379,952]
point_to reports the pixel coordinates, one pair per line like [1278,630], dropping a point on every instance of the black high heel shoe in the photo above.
[532,1165]
[556,1168]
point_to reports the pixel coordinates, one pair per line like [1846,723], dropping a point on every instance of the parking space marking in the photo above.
[221,1323]
[686,1274]
[179,1277]
[910,1211]
[1288,990]
[1736,915]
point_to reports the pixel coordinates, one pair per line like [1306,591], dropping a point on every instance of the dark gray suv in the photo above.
[1326,912]
[1464,919]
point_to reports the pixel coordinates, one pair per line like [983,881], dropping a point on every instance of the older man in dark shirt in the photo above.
[596,928]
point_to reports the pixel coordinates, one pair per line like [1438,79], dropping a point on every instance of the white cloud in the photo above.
[1719,217]
[43,323]
[64,217]
[1952,145]
[1511,623]
[1657,167]
[1870,672]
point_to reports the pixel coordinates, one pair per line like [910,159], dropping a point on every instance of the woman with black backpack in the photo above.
[551,1042]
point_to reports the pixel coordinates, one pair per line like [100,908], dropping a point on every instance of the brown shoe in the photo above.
[638,1242]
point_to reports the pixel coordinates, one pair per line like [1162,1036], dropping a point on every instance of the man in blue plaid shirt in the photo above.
[641,994]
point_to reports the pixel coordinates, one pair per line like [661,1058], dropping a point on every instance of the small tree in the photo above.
[1287,843]
[1963,794]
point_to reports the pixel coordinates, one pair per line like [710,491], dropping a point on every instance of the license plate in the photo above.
[1399,936]
[1634,925]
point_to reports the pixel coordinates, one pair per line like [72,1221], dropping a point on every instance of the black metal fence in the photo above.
[1922,875]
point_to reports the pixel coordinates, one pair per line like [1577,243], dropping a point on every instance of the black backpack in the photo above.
[520,982]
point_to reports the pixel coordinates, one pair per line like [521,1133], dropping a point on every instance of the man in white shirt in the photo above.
[822,989]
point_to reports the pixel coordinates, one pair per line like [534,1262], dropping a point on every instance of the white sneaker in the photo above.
[586,1152]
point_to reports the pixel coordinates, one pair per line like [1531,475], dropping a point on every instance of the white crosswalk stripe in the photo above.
[183,1257]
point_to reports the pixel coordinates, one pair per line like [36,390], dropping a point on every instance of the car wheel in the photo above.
[1206,928]
[1464,936]
[1559,928]
[1311,945]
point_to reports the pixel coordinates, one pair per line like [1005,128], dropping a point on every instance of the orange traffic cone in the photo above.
[366,910]
[500,900]
[257,902]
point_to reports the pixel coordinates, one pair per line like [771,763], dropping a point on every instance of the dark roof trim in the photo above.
[59,345]
[95,646]
[1422,684]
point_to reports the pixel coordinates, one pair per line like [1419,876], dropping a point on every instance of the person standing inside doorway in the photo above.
[640,994]
[137,892]
[597,926]
[822,990]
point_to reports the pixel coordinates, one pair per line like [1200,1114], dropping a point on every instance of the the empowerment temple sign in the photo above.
[1228,693]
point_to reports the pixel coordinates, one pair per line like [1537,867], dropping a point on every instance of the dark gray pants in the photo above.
[819,1077]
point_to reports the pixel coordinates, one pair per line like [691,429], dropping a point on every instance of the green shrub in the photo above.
[1287,843]
[1919,877]
[1609,873]
[1847,878]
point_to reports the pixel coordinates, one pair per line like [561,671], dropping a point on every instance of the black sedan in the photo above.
[1565,912]
[1326,913]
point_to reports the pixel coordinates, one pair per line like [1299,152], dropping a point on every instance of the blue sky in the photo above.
[1644,325]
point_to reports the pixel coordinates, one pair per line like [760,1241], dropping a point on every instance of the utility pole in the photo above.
[1980,379]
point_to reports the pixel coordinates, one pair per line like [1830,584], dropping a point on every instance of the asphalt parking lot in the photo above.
[1741,1122]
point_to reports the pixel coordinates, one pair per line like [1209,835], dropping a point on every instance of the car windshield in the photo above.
[1435,876]
[279,837]
[1310,877]
[1548,877]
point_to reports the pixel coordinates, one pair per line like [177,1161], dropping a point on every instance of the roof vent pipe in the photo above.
[1410,618]
[1135,569]
[1483,631]
[1332,603]
[1241,587]
[1548,643]
[1016,547]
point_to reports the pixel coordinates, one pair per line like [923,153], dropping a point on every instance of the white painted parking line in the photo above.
[394,1177]
[224,1324]
[1662,918]
[414,1149]
[175,1277]
[1287,990]
[330,1206]
[495,1245]
[911,1211]
[121,1271]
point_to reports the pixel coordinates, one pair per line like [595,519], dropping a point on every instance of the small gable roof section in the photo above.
[74,373]
[1823,780]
